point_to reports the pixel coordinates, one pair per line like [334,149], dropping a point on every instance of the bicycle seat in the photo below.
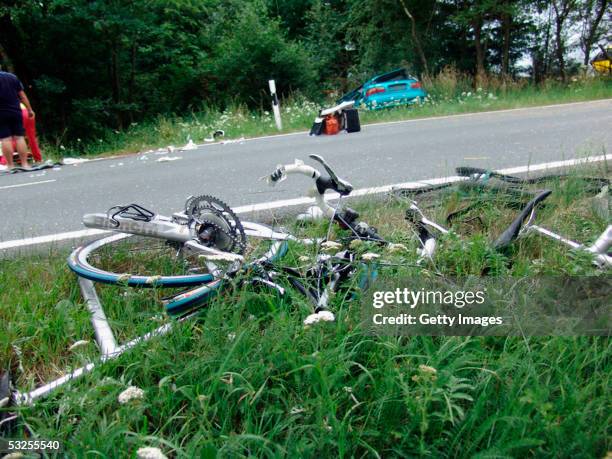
[333,182]
[513,230]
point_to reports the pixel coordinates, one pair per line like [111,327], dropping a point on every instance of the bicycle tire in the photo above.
[78,261]
[186,301]
[467,171]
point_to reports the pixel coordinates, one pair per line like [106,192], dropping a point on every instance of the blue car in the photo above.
[387,90]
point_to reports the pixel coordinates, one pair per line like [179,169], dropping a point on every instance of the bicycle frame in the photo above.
[599,249]
[176,229]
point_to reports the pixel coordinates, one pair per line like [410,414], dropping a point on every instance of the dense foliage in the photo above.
[91,65]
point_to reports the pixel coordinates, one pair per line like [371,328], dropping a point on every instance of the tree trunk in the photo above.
[589,37]
[480,68]
[546,57]
[560,49]
[562,11]
[132,79]
[416,40]
[6,60]
[115,84]
[506,21]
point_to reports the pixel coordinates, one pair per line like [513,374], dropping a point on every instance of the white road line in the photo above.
[50,238]
[26,184]
[331,196]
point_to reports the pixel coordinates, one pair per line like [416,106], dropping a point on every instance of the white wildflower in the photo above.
[355,243]
[397,248]
[150,452]
[231,336]
[321,316]
[369,256]
[330,245]
[303,259]
[427,369]
[131,393]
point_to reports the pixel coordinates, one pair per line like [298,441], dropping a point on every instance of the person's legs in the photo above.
[6,139]
[7,151]
[13,127]
[22,149]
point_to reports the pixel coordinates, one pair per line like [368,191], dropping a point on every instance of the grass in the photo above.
[246,379]
[450,93]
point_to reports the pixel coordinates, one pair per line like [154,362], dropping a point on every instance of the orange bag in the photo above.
[332,125]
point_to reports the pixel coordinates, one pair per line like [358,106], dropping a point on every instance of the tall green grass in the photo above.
[246,379]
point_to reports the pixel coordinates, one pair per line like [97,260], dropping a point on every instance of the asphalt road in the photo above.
[378,155]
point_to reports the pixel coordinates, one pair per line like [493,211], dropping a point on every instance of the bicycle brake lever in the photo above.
[343,185]
[277,176]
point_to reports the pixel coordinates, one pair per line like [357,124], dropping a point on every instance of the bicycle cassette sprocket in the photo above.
[216,224]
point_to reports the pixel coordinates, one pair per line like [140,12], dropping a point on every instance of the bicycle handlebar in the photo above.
[331,182]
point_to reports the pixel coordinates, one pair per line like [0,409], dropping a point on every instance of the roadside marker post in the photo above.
[275,105]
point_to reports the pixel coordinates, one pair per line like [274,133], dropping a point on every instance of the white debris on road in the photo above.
[165,159]
[69,161]
[239,141]
[189,146]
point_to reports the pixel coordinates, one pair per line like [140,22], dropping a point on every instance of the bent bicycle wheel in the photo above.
[138,261]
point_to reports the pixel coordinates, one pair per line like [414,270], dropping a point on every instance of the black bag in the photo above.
[317,127]
[351,120]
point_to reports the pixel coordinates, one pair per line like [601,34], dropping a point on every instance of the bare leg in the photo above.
[22,149]
[7,151]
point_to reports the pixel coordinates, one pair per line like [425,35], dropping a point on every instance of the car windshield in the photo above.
[398,74]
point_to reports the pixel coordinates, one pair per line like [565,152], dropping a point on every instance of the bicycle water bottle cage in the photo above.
[131,211]
[333,182]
